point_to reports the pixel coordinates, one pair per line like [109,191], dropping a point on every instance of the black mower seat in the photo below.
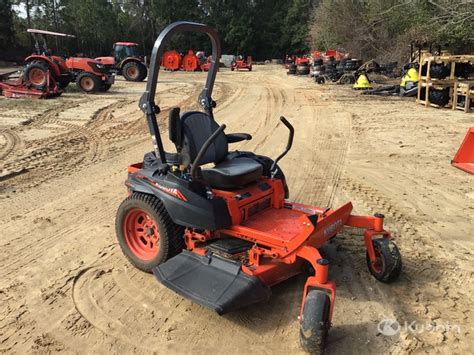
[233,173]
[190,131]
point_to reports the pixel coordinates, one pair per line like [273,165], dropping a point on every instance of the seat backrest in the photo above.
[196,128]
[175,130]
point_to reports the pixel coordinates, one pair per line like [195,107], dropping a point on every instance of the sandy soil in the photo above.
[65,286]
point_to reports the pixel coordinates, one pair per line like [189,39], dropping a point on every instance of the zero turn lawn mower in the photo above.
[223,235]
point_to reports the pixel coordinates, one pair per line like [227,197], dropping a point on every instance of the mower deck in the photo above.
[12,85]
[211,281]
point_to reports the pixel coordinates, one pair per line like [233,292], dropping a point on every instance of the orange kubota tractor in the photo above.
[126,61]
[89,74]
[241,63]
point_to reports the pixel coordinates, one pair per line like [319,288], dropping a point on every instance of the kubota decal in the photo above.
[169,190]
[329,231]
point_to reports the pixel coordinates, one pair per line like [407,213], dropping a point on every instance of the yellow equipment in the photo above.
[410,77]
[362,83]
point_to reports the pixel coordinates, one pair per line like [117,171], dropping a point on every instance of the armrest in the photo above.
[238,137]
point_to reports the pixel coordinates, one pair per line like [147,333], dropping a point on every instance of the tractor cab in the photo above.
[126,60]
[123,50]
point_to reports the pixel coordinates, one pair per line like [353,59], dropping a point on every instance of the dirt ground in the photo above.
[65,285]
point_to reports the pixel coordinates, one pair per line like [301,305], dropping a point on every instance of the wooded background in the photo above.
[265,29]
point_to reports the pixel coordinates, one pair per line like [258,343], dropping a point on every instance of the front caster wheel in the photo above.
[146,233]
[388,263]
[314,324]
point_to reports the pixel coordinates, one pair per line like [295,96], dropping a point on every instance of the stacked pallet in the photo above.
[463,96]
[447,79]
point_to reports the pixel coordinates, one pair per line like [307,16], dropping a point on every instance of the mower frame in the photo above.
[284,236]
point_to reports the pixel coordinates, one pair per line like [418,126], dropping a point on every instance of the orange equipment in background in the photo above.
[190,61]
[15,87]
[300,60]
[241,63]
[205,66]
[171,60]
[464,158]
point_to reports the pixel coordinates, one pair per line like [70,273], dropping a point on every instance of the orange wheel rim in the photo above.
[379,265]
[141,234]
[87,84]
[132,72]
[37,76]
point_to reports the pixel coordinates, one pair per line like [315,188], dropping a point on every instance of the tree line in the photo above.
[261,28]
[265,29]
[384,29]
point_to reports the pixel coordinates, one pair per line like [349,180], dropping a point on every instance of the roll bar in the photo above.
[147,101]
[273,168]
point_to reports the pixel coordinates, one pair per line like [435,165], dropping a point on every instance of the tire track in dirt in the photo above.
[79,146]
[12,141]
[117,293]
[138,125]
[323,145]
[91,296]
[422,263]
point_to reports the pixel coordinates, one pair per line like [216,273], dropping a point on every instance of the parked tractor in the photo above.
[126,61]
[241,63]
[90,75]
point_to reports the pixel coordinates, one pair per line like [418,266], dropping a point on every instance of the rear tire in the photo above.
[314,323]
[389,261]
[36,73]
[63,82]
[347,79]
[146,233]
[88,83]
[302,70]
[134,71]
[105,87]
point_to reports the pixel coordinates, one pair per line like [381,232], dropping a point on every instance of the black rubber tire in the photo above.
[302,69]
[439,71]
[320,80]
[347,79]
[390,258]
[36,64]
[105,87]
[463,70]
[171,235]
[315,324]
[97,84]
[439,97]
[141,69]
[63,82]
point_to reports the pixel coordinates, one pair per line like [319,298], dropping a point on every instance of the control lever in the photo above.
[273,168]
[204,149]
